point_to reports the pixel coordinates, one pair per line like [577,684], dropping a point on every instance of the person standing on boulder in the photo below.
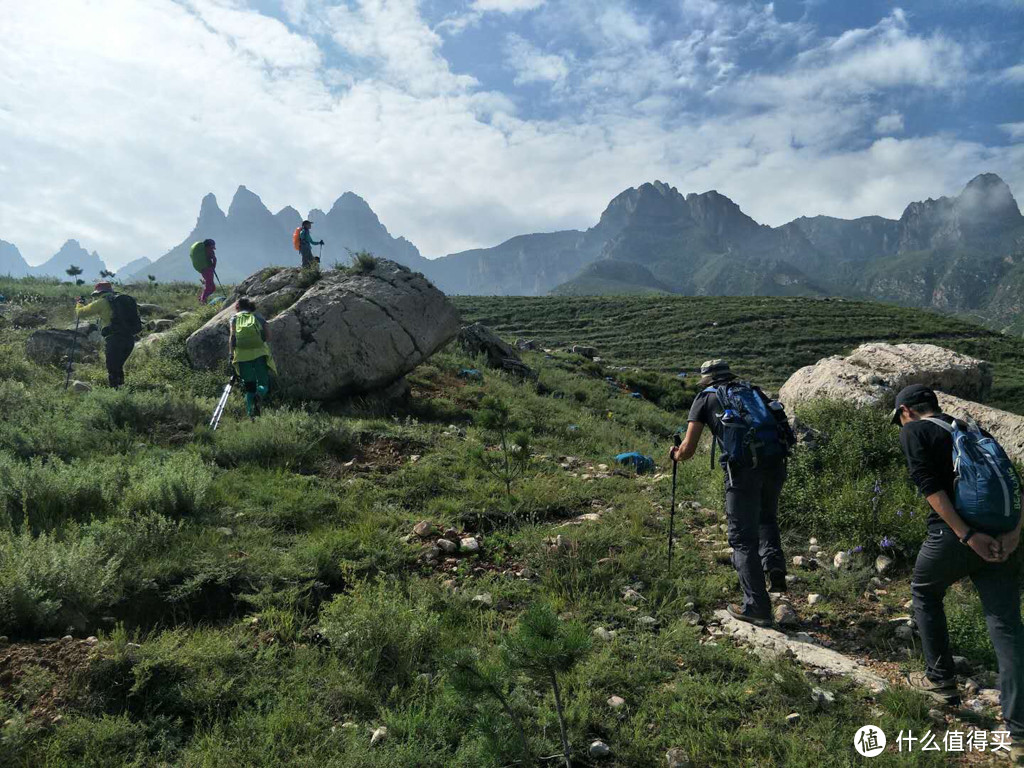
[251,360]
[204,260]
[121,323]
[956,548]
[755,471]
[306,244]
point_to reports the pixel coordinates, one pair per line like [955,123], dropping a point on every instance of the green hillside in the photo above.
[257,596]
[764,338]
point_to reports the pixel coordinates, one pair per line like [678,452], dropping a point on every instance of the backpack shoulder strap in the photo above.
[944,424]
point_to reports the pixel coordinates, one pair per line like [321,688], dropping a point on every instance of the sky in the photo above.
[466,122]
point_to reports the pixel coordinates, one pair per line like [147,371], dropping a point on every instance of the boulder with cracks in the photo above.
[339,333]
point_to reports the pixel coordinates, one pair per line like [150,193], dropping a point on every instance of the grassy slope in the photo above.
[253,596]
[763,338]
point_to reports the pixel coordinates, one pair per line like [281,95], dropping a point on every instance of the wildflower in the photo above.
[886,543]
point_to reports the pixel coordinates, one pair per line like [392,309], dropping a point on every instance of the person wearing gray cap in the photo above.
[941,452]
[754,436]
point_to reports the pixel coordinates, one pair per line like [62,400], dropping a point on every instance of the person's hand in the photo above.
[79,302]
[1009,542]
[321,242]
[986,547]
[672,453]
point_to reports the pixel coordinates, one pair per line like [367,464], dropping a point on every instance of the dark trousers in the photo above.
[942,561]
[308,260]
[118,349]
[751,508]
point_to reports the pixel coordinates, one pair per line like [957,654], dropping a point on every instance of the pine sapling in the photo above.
[512,458]
[474,678]
[544,648]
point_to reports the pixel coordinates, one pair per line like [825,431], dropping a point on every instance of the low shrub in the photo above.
[285,438]
[176,487]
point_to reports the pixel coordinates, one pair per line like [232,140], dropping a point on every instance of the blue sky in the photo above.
[466,122]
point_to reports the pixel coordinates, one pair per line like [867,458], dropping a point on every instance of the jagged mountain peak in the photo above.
[351,202]
[287,213]
[988,195]
[246,201]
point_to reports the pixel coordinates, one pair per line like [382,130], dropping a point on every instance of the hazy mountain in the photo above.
[71,253]
[133,269]
[250,237]
[11,261]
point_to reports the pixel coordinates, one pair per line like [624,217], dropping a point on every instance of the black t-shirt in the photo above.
[928,449]
[707,409]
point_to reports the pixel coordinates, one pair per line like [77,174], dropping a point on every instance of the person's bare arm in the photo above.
[986,547]
[689,446]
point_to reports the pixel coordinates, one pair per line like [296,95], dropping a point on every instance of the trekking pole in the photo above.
[71,354]
[221,405]
[218,279]
[672,515]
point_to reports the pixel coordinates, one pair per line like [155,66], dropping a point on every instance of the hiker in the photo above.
[121,323]
[961,542]
[754,474]
[251,360]
[204,260]
[304,242]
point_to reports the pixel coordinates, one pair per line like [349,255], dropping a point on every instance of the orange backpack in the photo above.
[295,238]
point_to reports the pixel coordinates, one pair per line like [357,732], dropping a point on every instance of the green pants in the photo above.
[256,377]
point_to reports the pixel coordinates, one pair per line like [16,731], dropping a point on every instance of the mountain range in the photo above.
[962,254]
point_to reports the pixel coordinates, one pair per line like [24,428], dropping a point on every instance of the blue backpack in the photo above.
[752,429]
[987,486]
[642,464]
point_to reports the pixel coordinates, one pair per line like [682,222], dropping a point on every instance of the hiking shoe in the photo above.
[777,581]
[945,693]
[738,613]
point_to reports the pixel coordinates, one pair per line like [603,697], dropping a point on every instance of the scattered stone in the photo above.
[598,749]
[937,716]
[469,544]
[813,541]
[67,639]
[971,685]
[423,528]
[785,616]
[842,560]
[813,549]
[631,596]
[790,578]
[447,546]
[904,632]
[799,561]
[883,563]
[813,599]
[989,696]
[691,617]
[823,699]
[91,640]
[616,702]
[80,387]
[678,758]
[160,326]
[908,606]
[792,719]
[51,346]
[378,736]
[224,531]
[963,665]
[603,634]
[484,599]
[647,621]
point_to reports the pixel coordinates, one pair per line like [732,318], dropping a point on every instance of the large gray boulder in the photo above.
[874,373]
[1006,427]
[480,341]
[51,346]
[347,332]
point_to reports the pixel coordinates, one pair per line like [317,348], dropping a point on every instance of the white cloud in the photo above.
[891,123]
[1014,74]
[507,6]
[532,65]
[1014,130]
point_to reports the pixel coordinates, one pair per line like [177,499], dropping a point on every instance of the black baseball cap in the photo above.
[913,396]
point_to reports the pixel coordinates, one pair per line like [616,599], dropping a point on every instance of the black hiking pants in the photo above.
[119,347]
[307,257]
[751,508]
[943,561]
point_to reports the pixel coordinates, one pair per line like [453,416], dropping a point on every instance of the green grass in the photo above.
[257,602]
[763,338]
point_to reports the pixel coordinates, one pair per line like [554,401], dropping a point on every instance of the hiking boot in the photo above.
[738,613]
[945,692]
[777,581]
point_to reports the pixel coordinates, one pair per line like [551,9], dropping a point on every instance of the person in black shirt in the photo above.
[751,504]
[951,551]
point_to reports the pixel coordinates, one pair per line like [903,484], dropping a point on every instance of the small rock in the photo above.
[67,639]
[989,696]
[469,545]
[842,560]
[904,632]
[799,561]
[908,606]
[632,596]
[603,634]
[813,541]
[378,736]
[224,531]
[599,749]
[823,699]
[883,563]
[423,528]
[91,640]
[792,719]
[692,618]
[81,387]
[451,534]
[678,758]
[937,716]
[616,702]
[447,546]
[785,616]
[963,665]
[647,621]
[813,549]
[813,599]
[790,578]
[484,599]
[971,686]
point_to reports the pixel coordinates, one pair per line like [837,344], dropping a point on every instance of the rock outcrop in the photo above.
[874,373]
[1006,427]
[51,346]
[479,340]
[348,332]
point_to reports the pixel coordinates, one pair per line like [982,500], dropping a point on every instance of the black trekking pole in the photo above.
[672,515]
[218,279]
[71,354]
